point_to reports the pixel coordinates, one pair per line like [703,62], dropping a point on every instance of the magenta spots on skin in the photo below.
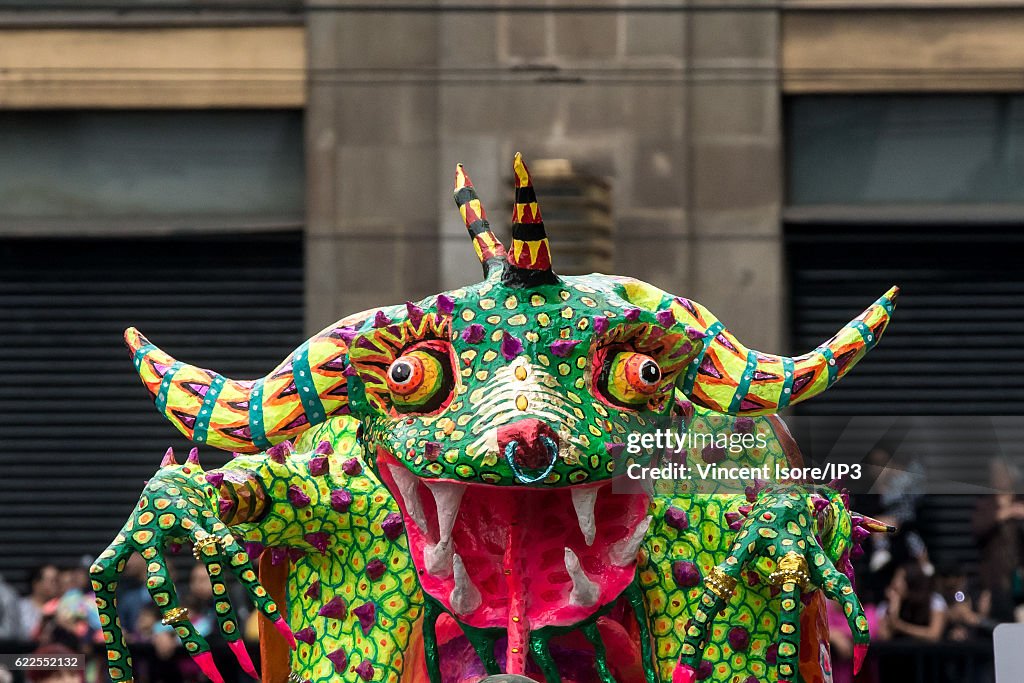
[214,479]
[739,639]
[297,497]
[367,615]
[744,425]
[392,526]
[704,671]
[677,518]
[474,334]
[335,609]
[365,670]
[563,347]
[432,450]
[381,320]
[306,635]
[339,659]
[445,304]
[713,454]
[375,569]
[685,573]
[313,592]
[319,540]
[352,467]
[600,324]
[510,346]
[632,314]
[665,318]
[414,312]
[278,555]
[318,466]
[340,500]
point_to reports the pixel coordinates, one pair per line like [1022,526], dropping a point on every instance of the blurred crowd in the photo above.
[908,599]
[58,617]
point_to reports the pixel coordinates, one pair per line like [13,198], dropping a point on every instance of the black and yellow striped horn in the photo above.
[488,247]
[529,260]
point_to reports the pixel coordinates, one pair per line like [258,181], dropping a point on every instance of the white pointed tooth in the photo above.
[438,559]
[447,498]
[407,483]
[583,500]
[584,592]
[624,552]
[465,597]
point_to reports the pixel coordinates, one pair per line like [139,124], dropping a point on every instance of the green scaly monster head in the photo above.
[497,413]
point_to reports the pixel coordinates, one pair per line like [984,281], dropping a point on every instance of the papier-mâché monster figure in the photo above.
[428,488]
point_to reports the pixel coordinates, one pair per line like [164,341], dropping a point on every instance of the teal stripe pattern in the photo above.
[830,363]
[140,354]
[691,373]
[209,401]
[788,374]
[744,384]
[303,375]
[256,426]
[866,335]
[165,386]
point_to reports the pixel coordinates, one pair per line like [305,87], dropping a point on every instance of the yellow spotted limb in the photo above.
[178,504]
[353,599]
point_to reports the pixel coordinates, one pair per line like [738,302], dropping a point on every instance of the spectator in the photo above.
[912,610]
[898,487]
[43,587]
[999,532]
[10,612]
[967,617]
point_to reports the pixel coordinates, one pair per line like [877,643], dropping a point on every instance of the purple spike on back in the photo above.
[335,609]
[341,500]
[318,466]
[168,458]
[365,670]
[600,324]
[632,314]
[313,592]
[380,319]
[297,496]
[665,318]
[215,479]
[339,659]
[563,347]
[375,569]
[445,304]
[347,334]
[392,525]
[306,635]
[324,448]
[474,334]
[367,615]
[352,467]
[510,346]
[414,312]
[677,518]
[319,540]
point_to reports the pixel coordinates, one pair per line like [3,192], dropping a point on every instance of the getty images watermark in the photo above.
[670,441]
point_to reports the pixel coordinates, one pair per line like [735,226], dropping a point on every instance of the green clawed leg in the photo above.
[635,596]
[161,589]
[542,656]
[837,586]
[227,619]
[789,632]
[431,611]
[104,575]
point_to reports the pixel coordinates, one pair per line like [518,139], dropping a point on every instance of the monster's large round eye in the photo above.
[629,378]
[418,380]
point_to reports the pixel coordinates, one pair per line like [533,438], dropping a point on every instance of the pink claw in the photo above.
[281,625]
[684,673]
[242,655]
[205,662]
[860,651]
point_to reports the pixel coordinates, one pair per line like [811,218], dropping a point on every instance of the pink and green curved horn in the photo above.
[249,416]
[730,378]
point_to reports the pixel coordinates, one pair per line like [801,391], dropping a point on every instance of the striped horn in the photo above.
[730,378]
[529,261]
[488,248]
[249,416]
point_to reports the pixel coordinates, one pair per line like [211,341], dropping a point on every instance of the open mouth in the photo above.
[518,558]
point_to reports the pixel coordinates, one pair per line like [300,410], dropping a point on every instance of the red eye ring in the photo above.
[405,375]
[642,372]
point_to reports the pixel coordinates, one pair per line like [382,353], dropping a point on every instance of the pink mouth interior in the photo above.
[512,541]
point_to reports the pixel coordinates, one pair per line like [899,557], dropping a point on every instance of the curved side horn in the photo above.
[529,261]
[248,416]
[488,247]
[729,378]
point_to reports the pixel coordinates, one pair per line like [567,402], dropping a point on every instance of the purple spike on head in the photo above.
[313,592]
[193,456]
[168,458]
[600,324]
[632,314]
[380,319]
[510,346]
[414,312]
[215,479]
[563,347]
[665,318]
[474,334]
[445,304]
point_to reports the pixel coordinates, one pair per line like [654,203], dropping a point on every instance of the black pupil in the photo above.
[401,372]
[649,372]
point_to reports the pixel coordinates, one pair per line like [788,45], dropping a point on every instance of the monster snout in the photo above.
[531,448]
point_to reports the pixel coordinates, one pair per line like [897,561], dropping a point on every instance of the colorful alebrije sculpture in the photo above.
[446,510]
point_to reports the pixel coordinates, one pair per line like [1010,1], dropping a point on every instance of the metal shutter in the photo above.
[78,433]
[953,347]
